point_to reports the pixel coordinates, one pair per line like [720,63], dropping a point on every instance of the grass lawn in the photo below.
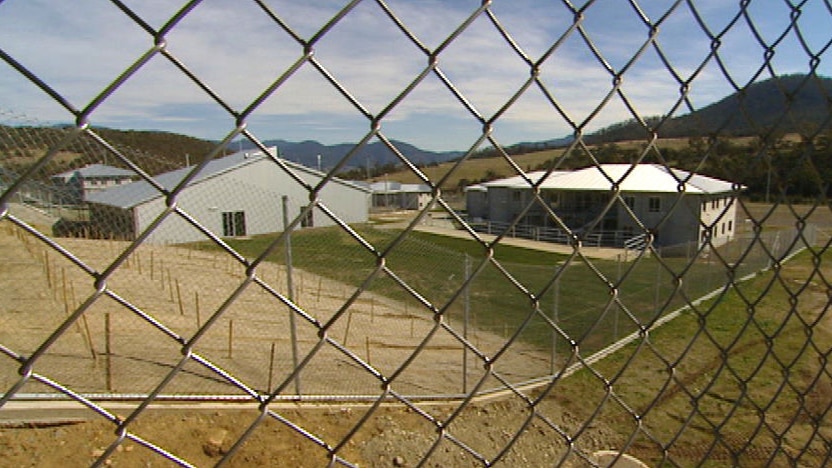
[749,367]
[500,298]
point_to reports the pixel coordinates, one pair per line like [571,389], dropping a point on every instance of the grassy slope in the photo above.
[475,169]
[434,266]
[680,383]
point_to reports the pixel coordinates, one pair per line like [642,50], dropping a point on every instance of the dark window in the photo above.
[307,220]
[234,223]
[654,204]
[630,201]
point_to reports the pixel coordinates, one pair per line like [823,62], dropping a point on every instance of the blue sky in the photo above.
[79,47]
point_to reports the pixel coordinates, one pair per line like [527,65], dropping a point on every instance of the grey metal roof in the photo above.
[92,171]
[397,187]
[135,193]
[652,178]
[520,182]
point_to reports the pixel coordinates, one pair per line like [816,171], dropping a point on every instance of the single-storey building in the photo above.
[236,195]
[75,185]
[397,196]
[651,192]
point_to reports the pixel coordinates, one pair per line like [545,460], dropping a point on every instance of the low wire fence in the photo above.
[200,272]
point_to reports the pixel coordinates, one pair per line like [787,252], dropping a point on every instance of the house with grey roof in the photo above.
[390,195]
[237,195]
[75,185]
[675,206]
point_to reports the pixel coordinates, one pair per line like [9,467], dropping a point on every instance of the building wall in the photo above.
[111,222]
[719,213]
[502,204]
[476,204]
[257,190]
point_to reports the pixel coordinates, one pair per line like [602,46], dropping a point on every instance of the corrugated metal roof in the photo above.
[653,178]
[397,187]
[519,182]
[135,193]
[97,170]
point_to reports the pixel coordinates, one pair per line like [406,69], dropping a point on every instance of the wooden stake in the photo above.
[170,286]
[319,289]
[179,298]
[367,346]
[230,337]
[347,330]
[48,269]
[88,337]
[271,369]
[109,352]
[196,306]
[151,264]
[63,288]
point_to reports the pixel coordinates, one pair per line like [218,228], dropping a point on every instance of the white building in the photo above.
[580,198]
[397,196]
[237,195]
[76,184]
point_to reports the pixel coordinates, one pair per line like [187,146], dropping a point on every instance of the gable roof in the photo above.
[93,171]
[136,193]
[644,178]
[398,187]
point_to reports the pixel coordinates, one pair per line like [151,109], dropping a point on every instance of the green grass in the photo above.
[435,267]
[729,359]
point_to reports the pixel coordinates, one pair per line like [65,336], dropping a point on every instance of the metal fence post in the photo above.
[466,310]
[555,306]
[290,287]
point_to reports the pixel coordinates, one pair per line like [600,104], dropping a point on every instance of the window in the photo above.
[730,225]
[307,220]
[515,195]
[654,204]
[630,201]
[553,199]
[233,223]
[723,229]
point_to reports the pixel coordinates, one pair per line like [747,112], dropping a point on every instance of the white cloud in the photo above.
[79,47]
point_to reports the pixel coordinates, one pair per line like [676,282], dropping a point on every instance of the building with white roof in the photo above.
[236,195]
[76,184]
[389,195]
[674,205]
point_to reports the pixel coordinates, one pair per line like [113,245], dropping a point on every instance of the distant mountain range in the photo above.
[786,104]
[372,155]
[805,101]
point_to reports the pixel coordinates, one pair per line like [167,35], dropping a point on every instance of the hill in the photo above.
[372,156]
[785,104]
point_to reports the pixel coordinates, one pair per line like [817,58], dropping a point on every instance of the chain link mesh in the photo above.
[700,353]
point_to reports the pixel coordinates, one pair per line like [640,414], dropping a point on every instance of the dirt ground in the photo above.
[114,347]
[392,436]
[127,343]
[129,340]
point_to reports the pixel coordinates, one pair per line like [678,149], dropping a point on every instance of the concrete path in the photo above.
[444,227]
[605,253]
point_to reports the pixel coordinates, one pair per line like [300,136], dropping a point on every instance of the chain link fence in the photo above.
[238,276]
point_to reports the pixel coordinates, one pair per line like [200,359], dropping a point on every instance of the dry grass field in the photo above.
[180,290]
[711,411]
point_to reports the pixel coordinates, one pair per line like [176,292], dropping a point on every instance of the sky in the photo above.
[251,61]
